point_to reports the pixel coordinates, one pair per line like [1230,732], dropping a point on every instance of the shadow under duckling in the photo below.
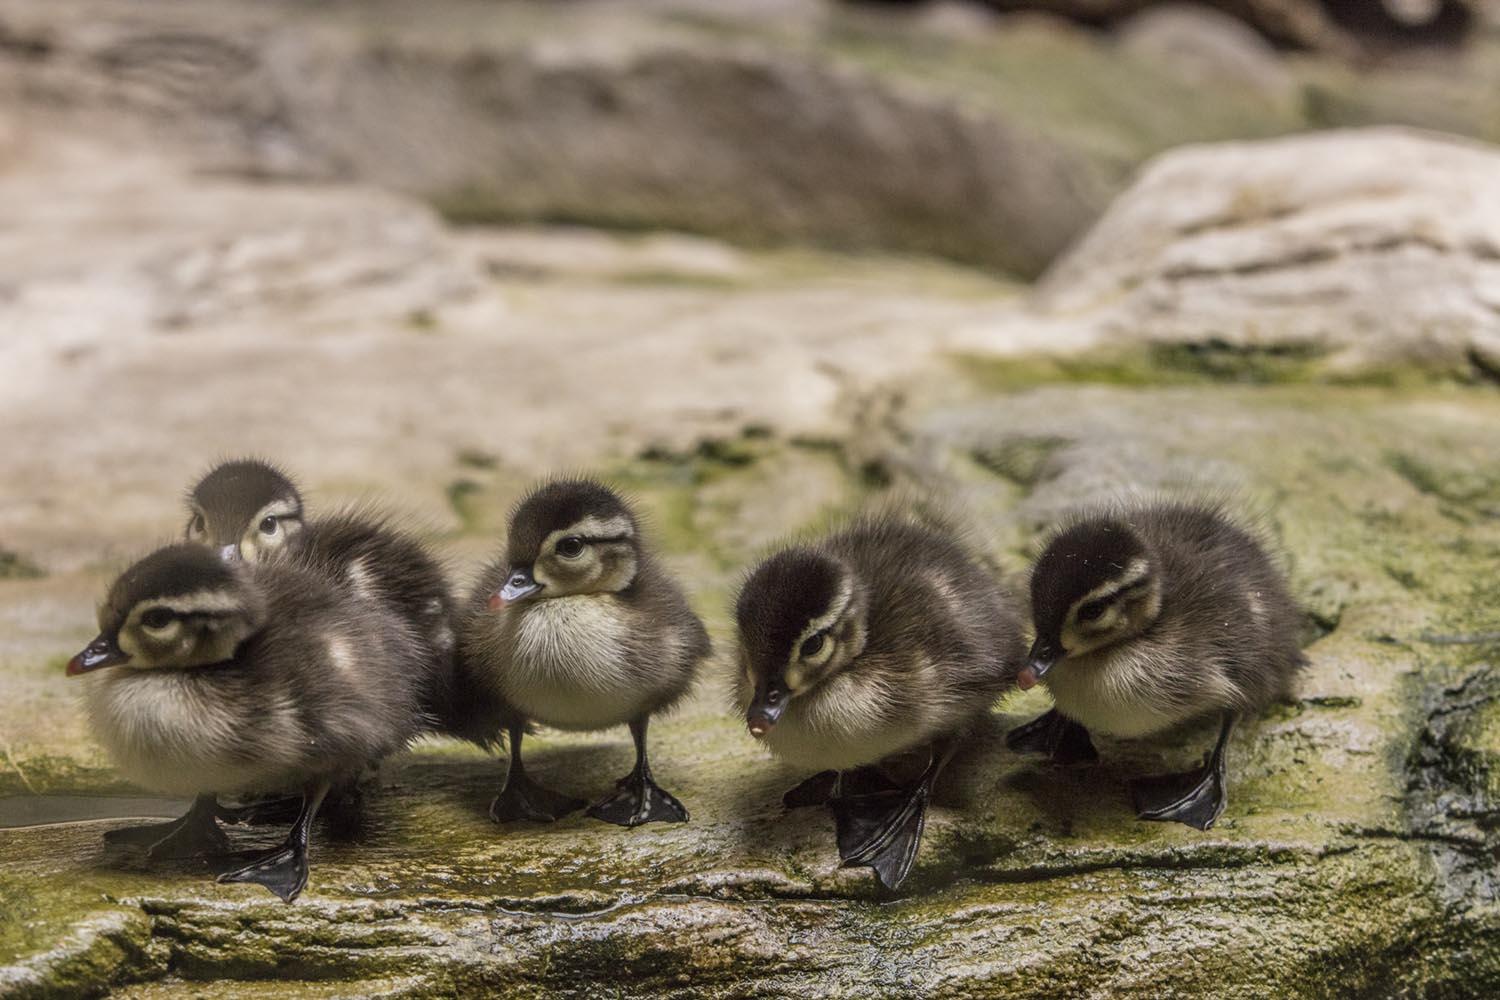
[881,639]
[578,627]
[212,678]
[1149,617]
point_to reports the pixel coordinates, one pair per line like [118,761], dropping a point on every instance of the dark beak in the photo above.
[100,653]
[518,587]
[770,701]
[1043,656]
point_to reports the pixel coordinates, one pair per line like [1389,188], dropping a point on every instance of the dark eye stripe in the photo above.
[1115,595]
[601,540]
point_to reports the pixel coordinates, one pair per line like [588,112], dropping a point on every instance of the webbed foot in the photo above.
[1055,735]
[282,870]
[881,830]
[1196,798]
[636,800]
[815,791]
[523,799]
[195,834]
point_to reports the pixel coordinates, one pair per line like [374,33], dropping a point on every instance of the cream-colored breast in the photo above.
[847,722]
[168,733]
[571,664]
[1135,690]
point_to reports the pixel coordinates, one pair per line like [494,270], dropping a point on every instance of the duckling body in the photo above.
[579,627]
[250,510]
[1152,617]
[882,638]
[232,679]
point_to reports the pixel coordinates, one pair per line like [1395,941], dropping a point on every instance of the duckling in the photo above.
[883,638]
[250,510]
[216,678]
[1149,617]
[579,627]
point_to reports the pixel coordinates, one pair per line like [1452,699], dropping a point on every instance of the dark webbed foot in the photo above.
[1196,798]
[524,799]
[1055,735]
[196,834]
[815,791]
[882,831]
[521,798]
[638,800]
[283,870]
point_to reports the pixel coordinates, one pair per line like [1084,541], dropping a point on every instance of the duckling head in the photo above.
[569,537]
[1095,585]
[245,509]
[181,606]
[802,618]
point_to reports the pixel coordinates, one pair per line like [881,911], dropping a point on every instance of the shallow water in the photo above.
[42,810]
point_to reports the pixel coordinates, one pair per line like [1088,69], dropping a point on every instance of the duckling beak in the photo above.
[230,553]
[102,652]
[1042,658]
[518,587]
[770,701]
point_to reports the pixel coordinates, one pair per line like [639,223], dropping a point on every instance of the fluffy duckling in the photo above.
[219,678]
[882,638]
[250,510]
[1150,617]
[578,627]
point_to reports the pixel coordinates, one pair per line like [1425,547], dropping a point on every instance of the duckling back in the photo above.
[378,562]
[1224,601]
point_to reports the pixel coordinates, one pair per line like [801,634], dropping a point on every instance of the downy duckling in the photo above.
[224,678]
[578,627]
[1149,617]
[885,637]
[250,510]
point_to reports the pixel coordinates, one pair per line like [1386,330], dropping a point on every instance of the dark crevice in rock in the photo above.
[1453,786]
[1485,366]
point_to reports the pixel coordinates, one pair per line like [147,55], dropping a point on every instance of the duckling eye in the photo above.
[268,525]
[812,646]
[156,619]
[1092,611]
[570,547]
[199,526]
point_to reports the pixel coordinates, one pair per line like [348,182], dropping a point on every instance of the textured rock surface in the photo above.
[1342,250]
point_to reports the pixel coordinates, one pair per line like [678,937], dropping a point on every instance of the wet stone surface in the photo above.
[1357,851]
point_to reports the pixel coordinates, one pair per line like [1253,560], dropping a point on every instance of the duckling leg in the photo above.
[283,870]
[637,799]
[895,819]
[1195,798]
[193,835]
[1055,735]
[813,792]
[262,812]
[522,798]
